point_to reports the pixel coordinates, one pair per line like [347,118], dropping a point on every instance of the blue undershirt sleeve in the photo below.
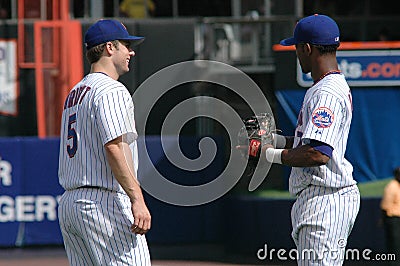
[321,147]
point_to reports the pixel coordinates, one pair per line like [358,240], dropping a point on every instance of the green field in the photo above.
[373,188]
[367,189]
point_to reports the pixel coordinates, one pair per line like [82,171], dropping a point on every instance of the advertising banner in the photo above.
[364,68]
[28,192]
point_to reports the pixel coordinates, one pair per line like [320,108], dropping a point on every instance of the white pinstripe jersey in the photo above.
[325,116]
[97,110]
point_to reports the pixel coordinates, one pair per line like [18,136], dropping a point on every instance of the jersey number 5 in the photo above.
[71,150]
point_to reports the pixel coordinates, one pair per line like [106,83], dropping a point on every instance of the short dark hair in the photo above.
[327,49]
[93,54]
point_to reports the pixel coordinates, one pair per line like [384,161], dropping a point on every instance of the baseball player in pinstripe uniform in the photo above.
[321,178]
[102,214]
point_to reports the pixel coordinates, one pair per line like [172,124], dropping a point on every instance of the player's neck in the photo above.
[334,71]
[323,65]
[101,67]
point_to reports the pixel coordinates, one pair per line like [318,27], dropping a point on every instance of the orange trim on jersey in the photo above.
[349,46]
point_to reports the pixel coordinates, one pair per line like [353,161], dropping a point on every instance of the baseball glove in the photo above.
[256,132]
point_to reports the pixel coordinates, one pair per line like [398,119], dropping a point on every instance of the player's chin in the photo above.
[124,70]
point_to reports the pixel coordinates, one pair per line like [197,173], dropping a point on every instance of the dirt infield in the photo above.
[64,262]
[57,256]
[50,256]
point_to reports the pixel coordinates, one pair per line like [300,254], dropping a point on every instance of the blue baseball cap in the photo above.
[106,30]
[315,29]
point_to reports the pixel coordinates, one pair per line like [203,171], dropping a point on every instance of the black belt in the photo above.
[94,187]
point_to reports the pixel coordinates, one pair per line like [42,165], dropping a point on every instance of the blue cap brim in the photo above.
[134,40]
[288,42]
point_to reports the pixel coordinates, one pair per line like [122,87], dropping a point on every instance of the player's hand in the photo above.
[263,150]
[142,217]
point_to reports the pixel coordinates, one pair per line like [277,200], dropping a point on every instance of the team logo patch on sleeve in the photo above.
[322,117]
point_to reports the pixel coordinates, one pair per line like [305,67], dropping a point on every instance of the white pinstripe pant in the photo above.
[95,225]
[322,219]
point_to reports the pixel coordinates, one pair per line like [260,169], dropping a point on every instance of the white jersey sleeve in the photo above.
[325,119]
[114,116]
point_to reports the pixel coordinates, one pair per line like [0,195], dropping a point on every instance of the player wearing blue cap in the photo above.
[102,214]
[328,199]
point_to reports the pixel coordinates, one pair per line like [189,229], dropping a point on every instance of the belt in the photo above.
[96,187]
[327,190]
[93,187]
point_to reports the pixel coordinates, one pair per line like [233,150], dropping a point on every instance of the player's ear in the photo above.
[307,48]
[304,48]
[109,47]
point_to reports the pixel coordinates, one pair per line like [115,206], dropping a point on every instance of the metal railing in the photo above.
[244,41]
[248,41]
